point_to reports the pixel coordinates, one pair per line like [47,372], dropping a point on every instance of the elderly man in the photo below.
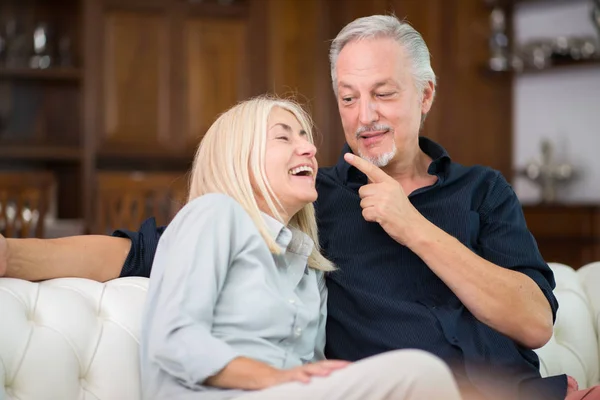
[431,254]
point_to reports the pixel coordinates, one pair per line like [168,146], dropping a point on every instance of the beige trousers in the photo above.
[395,375]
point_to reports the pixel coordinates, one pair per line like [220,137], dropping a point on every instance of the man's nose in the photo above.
[368,112]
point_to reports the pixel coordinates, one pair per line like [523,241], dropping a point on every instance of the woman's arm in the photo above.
[92,256]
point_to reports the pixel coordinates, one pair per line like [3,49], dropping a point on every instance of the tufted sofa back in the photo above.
[574,346]
[71,338]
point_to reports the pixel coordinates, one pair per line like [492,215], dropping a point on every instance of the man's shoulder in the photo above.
[487,187]
[329,174]
[479,175]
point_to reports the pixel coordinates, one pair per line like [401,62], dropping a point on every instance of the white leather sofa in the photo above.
[73,338]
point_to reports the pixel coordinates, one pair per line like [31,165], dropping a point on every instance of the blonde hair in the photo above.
[231,157]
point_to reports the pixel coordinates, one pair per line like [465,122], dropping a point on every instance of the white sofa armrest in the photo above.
[573,348]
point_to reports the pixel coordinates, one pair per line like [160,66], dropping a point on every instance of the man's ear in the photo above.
[428,95]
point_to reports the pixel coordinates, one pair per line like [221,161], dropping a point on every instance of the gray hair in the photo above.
[391,27]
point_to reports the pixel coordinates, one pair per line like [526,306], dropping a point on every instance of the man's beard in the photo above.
[381,160]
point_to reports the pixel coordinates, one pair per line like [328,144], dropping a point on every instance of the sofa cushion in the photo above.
[75,338]
[573,348]
[71,338]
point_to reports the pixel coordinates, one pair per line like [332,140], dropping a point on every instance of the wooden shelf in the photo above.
[40,153]
[555,66]
[51,74]
[214,9]
[567,233]
[195,8]
[511,3]
[147,159]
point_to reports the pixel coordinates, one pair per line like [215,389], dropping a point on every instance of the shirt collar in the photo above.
[289,239]
[438,166]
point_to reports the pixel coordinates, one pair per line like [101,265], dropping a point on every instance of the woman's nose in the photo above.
[306,148]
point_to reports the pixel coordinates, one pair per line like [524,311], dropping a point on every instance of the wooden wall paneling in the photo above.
[69,190]
[478,113]
[137,5]
[257,47]
[293,37]
[136,82]
[568,234]
[91,117]
[215,68]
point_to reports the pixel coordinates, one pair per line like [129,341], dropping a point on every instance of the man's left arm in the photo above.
[509,287]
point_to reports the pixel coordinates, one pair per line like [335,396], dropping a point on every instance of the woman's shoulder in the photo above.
[214,210]
[218,203]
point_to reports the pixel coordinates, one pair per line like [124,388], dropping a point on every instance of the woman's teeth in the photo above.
[301,169]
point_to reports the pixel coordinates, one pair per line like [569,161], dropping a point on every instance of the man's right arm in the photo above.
[97,257]
[94,257]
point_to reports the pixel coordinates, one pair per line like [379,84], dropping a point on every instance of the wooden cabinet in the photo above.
[41,88]
[160,72]
[135,83]
[216,73]
[150,76]
[566,234]
[169,70]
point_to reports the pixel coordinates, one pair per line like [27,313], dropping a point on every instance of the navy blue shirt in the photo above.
[383,297]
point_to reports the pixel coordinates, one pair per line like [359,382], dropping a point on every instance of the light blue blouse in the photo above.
[216,292]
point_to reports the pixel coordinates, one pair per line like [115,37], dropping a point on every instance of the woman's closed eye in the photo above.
[284,138]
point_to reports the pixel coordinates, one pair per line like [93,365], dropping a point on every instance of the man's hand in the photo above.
[3,255]
[383,201]
[305,372]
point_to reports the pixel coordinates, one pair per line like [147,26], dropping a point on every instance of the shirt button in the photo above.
[298,331]
[292,301]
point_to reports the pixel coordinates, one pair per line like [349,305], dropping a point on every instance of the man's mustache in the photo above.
[372,128]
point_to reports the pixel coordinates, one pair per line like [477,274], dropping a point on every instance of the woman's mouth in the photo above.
[302,171]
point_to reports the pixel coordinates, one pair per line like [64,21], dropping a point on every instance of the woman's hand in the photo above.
[305,372]
[248,374]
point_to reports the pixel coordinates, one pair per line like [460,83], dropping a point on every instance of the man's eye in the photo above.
[384,94]
[346,99]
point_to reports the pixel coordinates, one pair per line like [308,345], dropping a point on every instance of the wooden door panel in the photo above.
[136,80]
[215,71]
